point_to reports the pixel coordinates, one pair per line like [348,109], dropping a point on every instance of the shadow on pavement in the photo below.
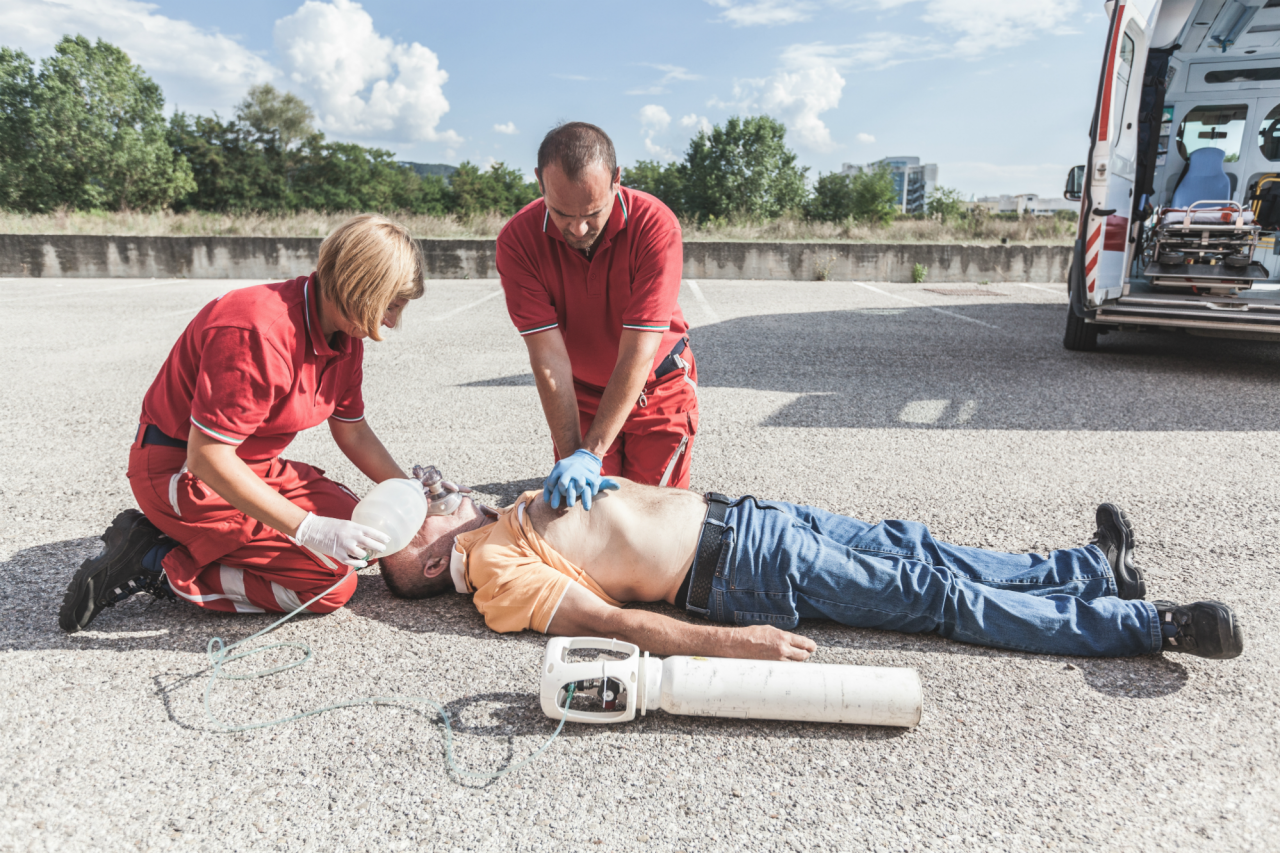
[912,368]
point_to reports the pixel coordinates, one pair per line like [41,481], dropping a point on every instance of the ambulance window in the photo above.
[1126,51]
[1269,135]
[1215,126]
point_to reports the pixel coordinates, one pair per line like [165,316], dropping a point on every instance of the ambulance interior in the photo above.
[1209,199]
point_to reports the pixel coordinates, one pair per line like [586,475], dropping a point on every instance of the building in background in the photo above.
[1028,203]
[913,181]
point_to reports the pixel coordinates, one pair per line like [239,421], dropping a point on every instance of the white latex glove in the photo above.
[347,542]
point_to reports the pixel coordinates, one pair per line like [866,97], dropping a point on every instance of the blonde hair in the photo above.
[367,263]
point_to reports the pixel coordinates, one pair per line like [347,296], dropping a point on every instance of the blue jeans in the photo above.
[783,562]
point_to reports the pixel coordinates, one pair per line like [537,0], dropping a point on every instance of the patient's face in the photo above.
[427,555]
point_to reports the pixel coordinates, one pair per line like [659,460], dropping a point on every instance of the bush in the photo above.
[945,203]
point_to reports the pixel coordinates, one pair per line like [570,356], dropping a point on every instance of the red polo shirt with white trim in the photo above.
[631,282]
[253,369]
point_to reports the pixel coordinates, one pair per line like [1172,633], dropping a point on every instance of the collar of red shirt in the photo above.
[617,221]
[311,311]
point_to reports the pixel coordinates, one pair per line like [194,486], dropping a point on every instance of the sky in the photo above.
[998,93]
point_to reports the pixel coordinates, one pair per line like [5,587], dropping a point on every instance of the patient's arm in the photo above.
[583,614]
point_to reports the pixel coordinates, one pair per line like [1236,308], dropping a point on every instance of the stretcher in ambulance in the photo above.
[1180,197]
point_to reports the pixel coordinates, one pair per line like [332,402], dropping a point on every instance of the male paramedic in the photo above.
[761,566]
[226,523]
[591,273]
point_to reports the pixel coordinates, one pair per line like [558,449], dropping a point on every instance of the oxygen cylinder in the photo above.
[786,690]
[624,681]
[396,508]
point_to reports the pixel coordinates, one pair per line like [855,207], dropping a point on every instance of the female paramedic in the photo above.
[226,523]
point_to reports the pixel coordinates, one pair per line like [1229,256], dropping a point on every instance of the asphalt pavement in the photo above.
[957,407]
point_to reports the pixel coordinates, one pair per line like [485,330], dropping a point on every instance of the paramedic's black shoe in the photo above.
[1114,537]
[1207,628]
[115,574]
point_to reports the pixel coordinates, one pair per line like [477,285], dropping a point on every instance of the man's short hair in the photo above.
[575,146]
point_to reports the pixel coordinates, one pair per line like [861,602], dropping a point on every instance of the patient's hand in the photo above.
[765,642]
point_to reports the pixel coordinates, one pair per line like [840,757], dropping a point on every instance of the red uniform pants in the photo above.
[226,560]
[655,444]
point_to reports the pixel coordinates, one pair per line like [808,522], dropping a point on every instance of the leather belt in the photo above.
[671,364]
[695,592]
[153,435]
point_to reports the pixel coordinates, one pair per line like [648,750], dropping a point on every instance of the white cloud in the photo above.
[653,121]
[986,25]
[702,123]
[809,82]
[509,128]
[672,72]
[764,12]
[654,118]
[363,84]
[865,138]
[200,70]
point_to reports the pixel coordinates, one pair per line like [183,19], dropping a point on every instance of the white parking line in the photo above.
[922,305]
[1062,292]
[702,300]
[54,292]
[457,311]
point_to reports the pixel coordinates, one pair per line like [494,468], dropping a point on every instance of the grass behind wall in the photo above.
[1033,230]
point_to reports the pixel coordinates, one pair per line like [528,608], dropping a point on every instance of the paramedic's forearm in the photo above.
[359,443]
[549,360]
[635,360]
[216,465]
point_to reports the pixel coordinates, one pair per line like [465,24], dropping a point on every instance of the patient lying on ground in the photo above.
[761,566]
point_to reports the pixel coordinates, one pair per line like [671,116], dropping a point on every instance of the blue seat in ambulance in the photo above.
[1205,179]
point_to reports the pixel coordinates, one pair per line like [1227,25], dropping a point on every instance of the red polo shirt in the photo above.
[253,369]
[631,282]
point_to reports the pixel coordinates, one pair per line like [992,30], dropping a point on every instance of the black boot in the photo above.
[1114,537]
[1207,628]
[115,574]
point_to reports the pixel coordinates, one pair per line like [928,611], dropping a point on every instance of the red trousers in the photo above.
[226,560]
[655,444]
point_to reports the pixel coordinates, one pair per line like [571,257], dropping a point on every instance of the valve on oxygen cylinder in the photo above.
[440,501]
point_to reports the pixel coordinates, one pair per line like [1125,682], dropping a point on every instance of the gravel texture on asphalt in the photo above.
[877,400]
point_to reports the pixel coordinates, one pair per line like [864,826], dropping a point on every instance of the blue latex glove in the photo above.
[576,476]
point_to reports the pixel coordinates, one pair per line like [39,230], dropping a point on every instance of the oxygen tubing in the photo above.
[219,653]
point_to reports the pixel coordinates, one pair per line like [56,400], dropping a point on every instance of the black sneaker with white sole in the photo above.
[115,574]
[1208,629]
[1114,537]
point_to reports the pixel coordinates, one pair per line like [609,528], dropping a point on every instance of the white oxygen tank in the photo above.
[624,681]
[396,508]
[786,690]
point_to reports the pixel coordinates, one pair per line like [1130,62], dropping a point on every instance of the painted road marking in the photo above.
[702,300]
[56,293]
[922,305]
[1062,292]
[457,311]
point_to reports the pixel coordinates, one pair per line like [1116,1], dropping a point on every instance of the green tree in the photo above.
[875,201]
[742,169]
[499,189]
[234,167]
[100,132]
[345,176]
[833,199]
[664,182]
[945,203]
[269,111]
[17,130]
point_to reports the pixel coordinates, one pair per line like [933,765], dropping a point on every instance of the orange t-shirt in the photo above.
[518,579]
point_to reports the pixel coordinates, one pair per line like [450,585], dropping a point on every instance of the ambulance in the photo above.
[1180,194]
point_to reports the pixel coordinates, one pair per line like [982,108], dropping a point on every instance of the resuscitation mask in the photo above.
[440,501]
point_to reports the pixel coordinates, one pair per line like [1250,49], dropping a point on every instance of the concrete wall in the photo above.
[277,258]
